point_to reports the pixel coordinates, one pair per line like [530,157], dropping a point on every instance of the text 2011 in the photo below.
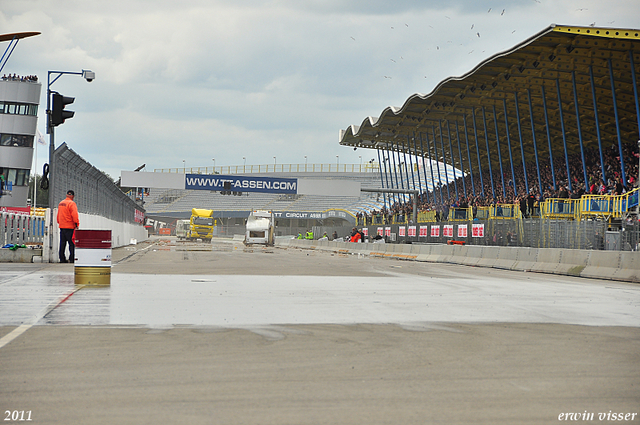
[17,415]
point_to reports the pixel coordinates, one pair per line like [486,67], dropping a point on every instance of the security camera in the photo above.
[89,75]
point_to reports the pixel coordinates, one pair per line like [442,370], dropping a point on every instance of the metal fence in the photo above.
[20,228]
[95,192]
[534,233]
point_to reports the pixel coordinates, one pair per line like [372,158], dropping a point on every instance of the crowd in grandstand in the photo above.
[479,192]
[14,77]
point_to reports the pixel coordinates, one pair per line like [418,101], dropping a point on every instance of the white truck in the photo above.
[260,228]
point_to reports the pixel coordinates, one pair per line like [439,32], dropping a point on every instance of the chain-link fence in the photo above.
[95,192]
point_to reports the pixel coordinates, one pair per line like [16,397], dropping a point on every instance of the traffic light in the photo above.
[58,113]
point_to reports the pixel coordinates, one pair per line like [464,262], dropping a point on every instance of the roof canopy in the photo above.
[522,90]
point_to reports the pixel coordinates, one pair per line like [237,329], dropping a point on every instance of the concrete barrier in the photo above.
[20,255]
[526,259]
[629,267]
[547,261]
[473,255]
[601,264]
[507,258]
[594,264]
[572,262]
[489,256]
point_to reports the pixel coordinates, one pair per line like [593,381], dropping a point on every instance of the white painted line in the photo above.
[25,327]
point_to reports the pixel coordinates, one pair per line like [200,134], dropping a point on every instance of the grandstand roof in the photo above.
[538,70]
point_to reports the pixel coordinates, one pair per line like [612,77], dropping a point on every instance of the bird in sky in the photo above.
[393,61]
[580,10]
[353,39]
[502,12]
[488,11]
[478,34]
[473,25]
[593,24]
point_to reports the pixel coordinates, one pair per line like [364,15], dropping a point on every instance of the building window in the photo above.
[16,140]
[17,176]
[14,108]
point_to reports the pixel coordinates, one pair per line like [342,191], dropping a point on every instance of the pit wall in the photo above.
[613,265]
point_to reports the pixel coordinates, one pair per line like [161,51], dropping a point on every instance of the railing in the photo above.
[276,168]
[596,205]
[560,208]
[20,228]
[623,203]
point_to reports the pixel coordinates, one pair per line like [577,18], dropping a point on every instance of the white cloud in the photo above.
[222,79]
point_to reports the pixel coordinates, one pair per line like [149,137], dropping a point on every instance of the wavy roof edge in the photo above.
[354,130]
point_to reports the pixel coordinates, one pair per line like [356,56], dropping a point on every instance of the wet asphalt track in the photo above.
[228,334]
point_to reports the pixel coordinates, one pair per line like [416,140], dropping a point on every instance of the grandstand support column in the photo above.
[486,139]
[453,164]
[415,150]
[635,91]
[395,171]
[506,124]
[404,154]
[464,184]
[595,113]
[575,101]
[546,123]
[495,123]
[524,164]
[399,182]
[466,138]
[615,111]
[564,134]
[413,179]
[535,144]
[444,160]
[433,180]
[435,149]
[475,135]
[424,170]
[384,195]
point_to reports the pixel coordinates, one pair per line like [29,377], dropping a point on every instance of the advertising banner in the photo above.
[435,231]
[241,183]
[402,231]
[424,231]
[365,231]
[478,230]
[447,230]
[381,231]
[412,231]
[462,230]
[387,231]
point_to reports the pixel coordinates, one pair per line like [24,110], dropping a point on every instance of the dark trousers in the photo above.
[66,235]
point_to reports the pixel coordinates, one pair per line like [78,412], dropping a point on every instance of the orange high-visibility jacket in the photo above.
[68,214]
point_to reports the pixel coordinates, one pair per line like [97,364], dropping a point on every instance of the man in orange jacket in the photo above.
[67,221]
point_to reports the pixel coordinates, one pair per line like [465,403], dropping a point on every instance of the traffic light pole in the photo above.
[89,76]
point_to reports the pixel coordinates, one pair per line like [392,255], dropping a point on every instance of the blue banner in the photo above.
[241,183]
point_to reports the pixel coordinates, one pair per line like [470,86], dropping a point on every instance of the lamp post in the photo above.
[305,163]
[360,156]
[274,164]
[337,162]
[184,167]
[214,165]
[89,76]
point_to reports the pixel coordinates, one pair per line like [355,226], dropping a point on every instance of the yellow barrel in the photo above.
[98,276]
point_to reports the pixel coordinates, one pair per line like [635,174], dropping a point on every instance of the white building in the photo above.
[19,99]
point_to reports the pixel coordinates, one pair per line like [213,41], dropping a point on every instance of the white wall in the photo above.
[121,233]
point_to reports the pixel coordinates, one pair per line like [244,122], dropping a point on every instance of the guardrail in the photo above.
[20,228]
[275,168]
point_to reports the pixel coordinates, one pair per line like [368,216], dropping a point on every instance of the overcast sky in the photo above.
[197,80]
